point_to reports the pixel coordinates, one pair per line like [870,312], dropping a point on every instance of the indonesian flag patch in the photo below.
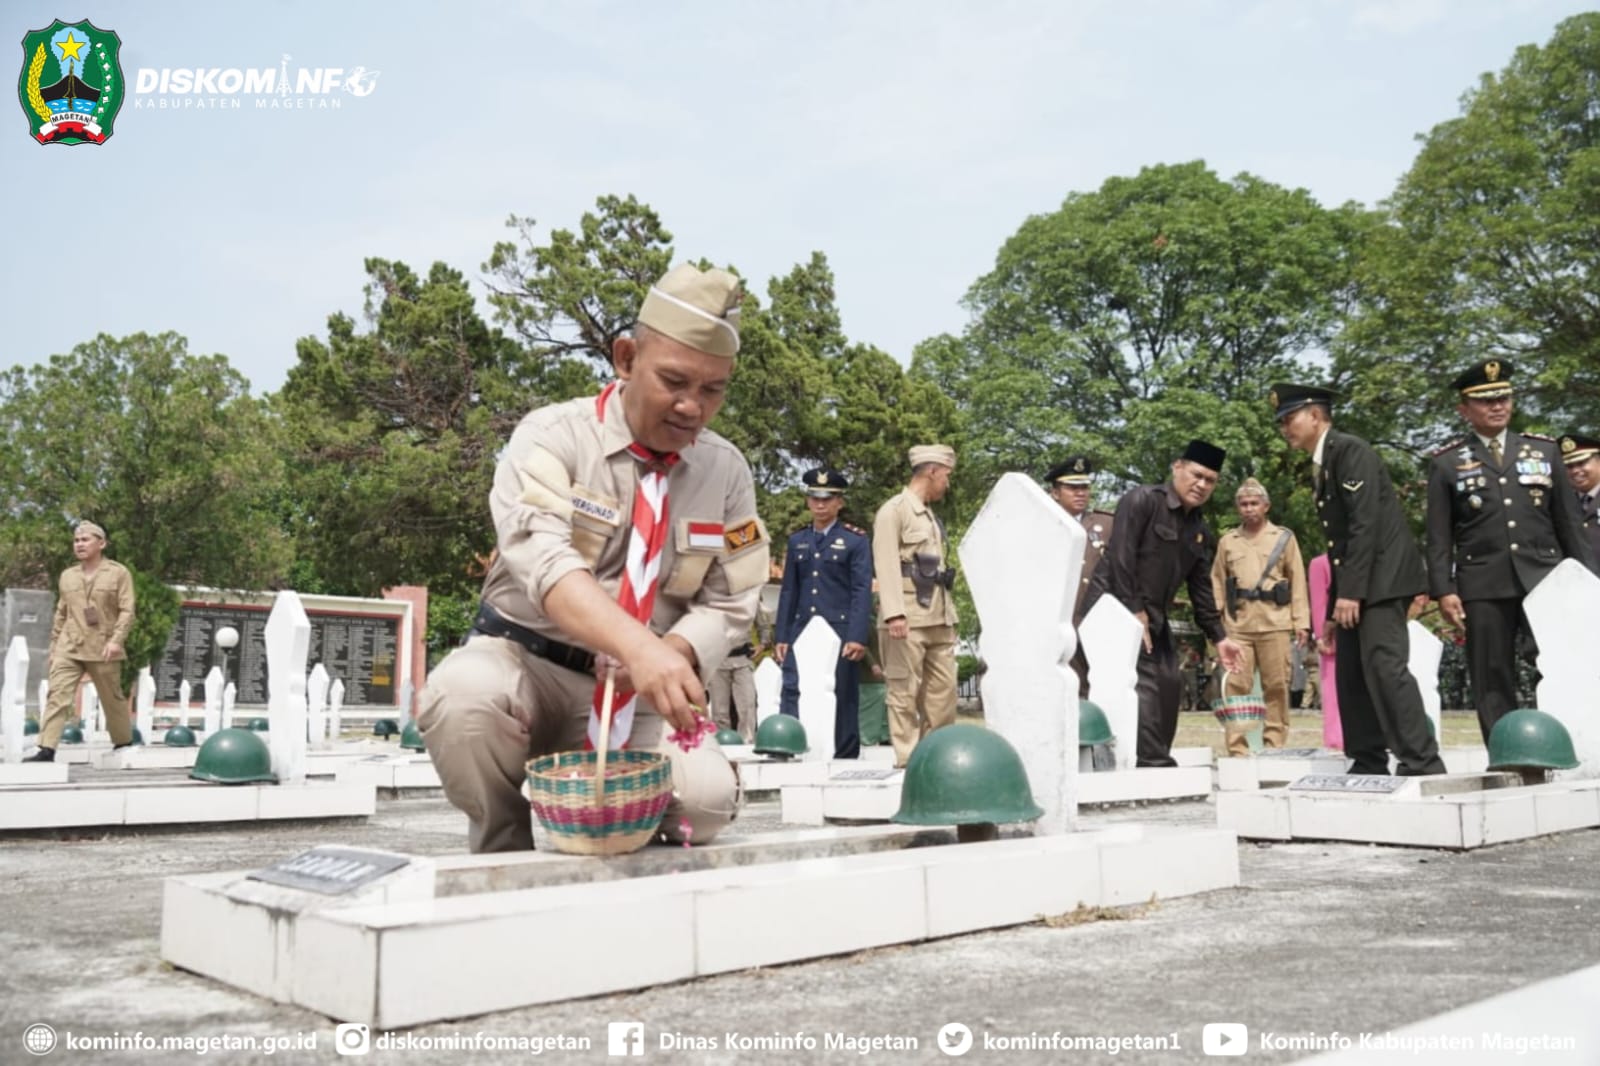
[706,536]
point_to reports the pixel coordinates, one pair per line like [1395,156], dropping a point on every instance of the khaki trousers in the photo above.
[486,710]
[1269,653]
[732,692]
[920,675]
[65,676]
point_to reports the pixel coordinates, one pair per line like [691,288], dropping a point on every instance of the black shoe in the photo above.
[42,755]
[119,747]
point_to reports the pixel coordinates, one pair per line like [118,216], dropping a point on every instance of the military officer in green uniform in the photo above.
[1581,455]
[1069,483]
[1501,515]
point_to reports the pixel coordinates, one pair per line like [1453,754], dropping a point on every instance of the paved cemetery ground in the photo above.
[1321,937]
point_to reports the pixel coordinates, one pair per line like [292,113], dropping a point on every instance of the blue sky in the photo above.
[906,140]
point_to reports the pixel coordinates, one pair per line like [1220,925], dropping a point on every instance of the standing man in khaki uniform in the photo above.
[579,509]
[918,615]
[1068,483]
[94,611]
[1259,579]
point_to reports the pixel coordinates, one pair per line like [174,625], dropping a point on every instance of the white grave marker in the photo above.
[213,720]
[769,689]
[816,653]
[335,703]
[185,701]
[44,697]
[288,635]
[1563,611]
[13,699]
[1024,600]
[408,699]
[1426,652]
[144,703]
[230,698]
[1112,638]
[317,703]
[91,713]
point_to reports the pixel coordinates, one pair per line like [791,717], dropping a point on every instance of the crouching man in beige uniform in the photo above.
[564,502]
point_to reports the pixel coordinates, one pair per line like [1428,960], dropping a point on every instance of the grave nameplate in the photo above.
[330,871]
[863,775]
[1360,783]
[1296,753]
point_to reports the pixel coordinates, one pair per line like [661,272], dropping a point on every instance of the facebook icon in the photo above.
[625,1038]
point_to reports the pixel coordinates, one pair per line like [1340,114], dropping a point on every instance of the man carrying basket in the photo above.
[628,541]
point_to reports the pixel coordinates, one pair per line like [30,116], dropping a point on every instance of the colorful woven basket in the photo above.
[638,788]
[1244,711]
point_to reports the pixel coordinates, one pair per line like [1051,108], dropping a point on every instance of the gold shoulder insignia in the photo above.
[1454,442]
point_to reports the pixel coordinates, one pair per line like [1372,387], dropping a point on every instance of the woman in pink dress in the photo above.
[1320,576]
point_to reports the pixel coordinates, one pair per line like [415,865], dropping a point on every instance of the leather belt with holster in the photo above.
[925,574]
[743,649]
[491,623]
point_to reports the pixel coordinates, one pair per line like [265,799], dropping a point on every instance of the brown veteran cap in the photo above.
[696,307]
[942,454]
[1487,380]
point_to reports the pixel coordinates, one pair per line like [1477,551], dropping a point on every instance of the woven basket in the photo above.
[638,787]
[1242,711]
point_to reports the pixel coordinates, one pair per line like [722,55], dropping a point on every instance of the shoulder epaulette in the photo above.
[1448,446]
[800,529]
[1540,436]
[1104,514]
[855,529]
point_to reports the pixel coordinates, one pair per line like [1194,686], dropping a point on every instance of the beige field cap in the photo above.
[942,454]
[87,526]
[696,307]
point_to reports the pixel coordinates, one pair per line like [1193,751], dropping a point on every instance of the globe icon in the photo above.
[39,1039]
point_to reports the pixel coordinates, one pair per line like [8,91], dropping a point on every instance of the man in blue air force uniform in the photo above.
[827,573]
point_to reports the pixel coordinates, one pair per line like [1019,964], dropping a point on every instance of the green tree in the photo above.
[1491,249]
[167,450]
[393,434]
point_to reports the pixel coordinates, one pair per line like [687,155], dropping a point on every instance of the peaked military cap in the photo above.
[1486,380]
[696,307]
[1077,470]
[823,482]
[1288,398]
[1207,455]
[1577,448]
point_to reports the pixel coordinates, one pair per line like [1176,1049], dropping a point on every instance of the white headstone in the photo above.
[144,702]
[1426,652]
[1022,557]
[44,697]
[13,699]
[185,701]
[1112,638]
[769,689]
[317,703]
[816,653]
[213,715]
[230,697]
[408,699]
[91,713]
[288,636]
[335,703]
[1564,610]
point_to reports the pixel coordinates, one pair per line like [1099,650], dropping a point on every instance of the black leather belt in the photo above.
[491,623]
[1253,594]
[743,649]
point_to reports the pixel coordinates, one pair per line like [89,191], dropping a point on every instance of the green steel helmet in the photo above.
[180,736]
[1092,725]
[233,757]
[72,735]
[411,737]
[962,775]
[781,734]
[30,727]
[728,736]
[259,725]
[385,727]
[1531,740]
[138,737]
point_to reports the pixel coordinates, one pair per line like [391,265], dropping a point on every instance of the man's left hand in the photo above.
[1302,637]
[113,650]
[853,651]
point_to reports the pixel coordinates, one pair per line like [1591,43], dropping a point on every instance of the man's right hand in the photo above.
[662,675]
[1453,610]
[780,652]
[1144,620]
[898,630]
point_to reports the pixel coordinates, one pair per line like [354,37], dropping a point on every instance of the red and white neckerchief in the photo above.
[637,595]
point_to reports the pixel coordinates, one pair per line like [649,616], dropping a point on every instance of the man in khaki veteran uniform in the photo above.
[1260,581]
[1068,484]
[578,482]
[94,611]
[915,606]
